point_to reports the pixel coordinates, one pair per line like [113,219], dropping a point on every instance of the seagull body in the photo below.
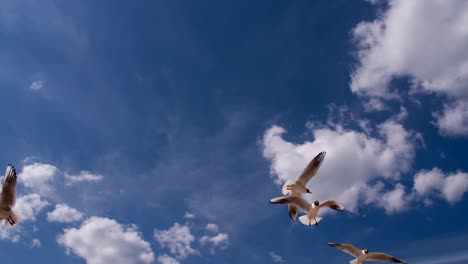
[364,255]
[311,209]
[298,187]
[8,197]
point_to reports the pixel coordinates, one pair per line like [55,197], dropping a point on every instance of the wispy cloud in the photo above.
[83,176]
[275,257]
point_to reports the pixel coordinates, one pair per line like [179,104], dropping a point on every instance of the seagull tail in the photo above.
[355,261]
[309,221]
[284,190]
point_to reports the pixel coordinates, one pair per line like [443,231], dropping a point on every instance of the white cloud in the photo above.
[395,201]
[84,176]
[220,240]
[189,215]
[177,239]
[36,243]
[402,42]
[36,85]
[453,121]
[275,257]
[450,186]
[103,240]
[354,159]
[37,176]
[29,206]
[211,227]
[64,214]
[165,259]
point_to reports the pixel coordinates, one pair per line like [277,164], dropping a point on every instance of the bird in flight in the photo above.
[8,198]
[311,209]
[297,187]
[364,255]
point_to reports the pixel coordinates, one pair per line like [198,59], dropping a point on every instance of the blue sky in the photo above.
[157,131]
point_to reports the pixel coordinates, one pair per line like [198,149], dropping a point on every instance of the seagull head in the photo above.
[366,250]
[316,203]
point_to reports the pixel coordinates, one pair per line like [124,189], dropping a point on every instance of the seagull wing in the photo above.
[293,211]
[295,200]
[311,169]
[382,257]
[332,205]
[9,189]
[350,249]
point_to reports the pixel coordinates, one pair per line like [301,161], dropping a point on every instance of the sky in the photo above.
[158,131]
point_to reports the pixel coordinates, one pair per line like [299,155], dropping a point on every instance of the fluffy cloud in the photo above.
[84,176]
[354,160]
[37,176]
[453,120]
[395,201]
[165,259]
[211,227]
[177,239]
[450,186]
[220,240]
[28,206]
[64,214]
[36,85]
[188,215]
[36,243]
[103,240]
[402,42]
[275,257]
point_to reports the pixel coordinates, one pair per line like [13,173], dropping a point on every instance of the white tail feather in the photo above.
[355,261]
[308,221]
[285,190]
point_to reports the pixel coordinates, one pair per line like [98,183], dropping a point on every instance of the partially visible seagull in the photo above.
[8,198]
[311,209]
[364,255]
[311,217]
[297,187]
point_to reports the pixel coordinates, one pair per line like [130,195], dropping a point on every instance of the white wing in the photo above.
[383,257]
[348,248]
[311,169]
[332,205]
[295,200]
[9,189]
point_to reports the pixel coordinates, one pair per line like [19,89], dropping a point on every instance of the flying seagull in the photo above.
[297,187]
[8,197]
[311,209]
[364,255]
[312,218]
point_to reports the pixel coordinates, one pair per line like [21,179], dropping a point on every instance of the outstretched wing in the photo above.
[348,248]
[311,169]
[332,205]
[383,257]
[9,189]
[295,200]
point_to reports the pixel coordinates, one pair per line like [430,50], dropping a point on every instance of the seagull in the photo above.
[311,216]
[364,255]
[311,209]
[8,197]
[297,187]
